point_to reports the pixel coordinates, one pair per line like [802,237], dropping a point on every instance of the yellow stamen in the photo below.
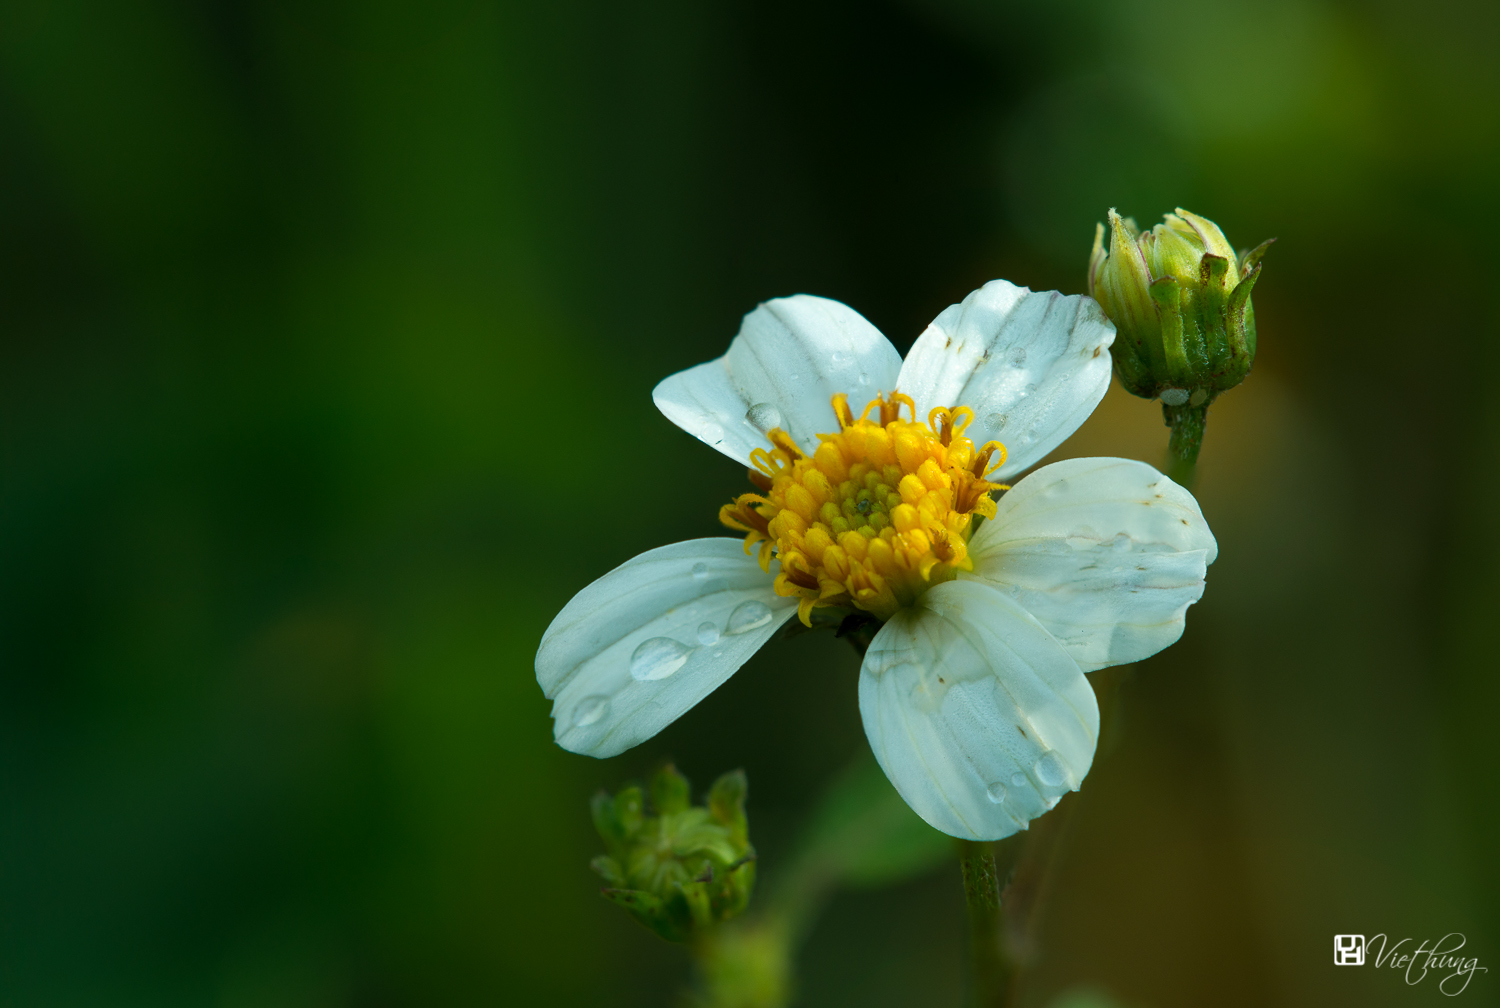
[881,512]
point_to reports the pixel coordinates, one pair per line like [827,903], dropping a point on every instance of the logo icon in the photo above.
[1349,950]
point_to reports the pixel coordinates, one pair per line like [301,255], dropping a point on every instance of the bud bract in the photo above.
[677,867]
[1180,301]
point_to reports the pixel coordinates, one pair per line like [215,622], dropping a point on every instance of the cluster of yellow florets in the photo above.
[879,513]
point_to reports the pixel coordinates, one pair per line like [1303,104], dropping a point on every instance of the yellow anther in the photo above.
[882,510]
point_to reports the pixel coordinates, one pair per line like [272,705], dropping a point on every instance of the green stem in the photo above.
[982,894]
[743,964]
[1187,423]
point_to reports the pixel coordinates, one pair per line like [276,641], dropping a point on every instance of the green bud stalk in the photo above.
[676,867]
[1179,297]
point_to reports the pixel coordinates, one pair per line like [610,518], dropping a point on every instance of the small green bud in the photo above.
[1180,301]
[678,868]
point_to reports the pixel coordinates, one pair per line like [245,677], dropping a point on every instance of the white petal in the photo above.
[979,718]
[782,370]
[639,647]
[1107,553]
[1032,366]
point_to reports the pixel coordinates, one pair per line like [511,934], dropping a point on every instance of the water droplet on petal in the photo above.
[708,633]
[1018,778]
[864,379]
[589,710]
[995,792]
[995,421]
[700,571]
[1017,356]
[658,658]
[1050,770]
[839,357]
[748,615]
[763,416]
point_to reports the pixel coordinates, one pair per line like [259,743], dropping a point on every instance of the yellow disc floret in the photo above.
[881,512]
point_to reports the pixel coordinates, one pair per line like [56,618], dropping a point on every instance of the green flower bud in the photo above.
[678,868]
[1180,301]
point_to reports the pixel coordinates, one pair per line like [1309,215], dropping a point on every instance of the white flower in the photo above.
[972,692]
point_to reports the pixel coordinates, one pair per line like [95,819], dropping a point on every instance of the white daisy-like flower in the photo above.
[972,691]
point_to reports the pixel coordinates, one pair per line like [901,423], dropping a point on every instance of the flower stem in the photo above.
[744,964]
[991,971]
[1187,423]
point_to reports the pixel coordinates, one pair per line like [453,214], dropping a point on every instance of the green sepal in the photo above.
[699,904]
[650,910]
[607,822]
[609,869]
[670,791]
[1241,317]
[1213,272]
[738,882]
[1166,294]
[726,803]
[630,811]
[1250,260]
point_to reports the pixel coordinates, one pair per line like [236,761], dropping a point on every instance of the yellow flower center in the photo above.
[881,512]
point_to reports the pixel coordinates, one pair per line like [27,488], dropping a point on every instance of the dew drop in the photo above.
[864,380]
[995,792]
[747,616]
[1017,779]
[1050,770]
[700,572]
[658,658]
[839,357]
[1017,356]
[589,710]
[708,633]
[763,416]
[995,421]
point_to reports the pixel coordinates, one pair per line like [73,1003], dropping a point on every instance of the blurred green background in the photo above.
[329,332]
